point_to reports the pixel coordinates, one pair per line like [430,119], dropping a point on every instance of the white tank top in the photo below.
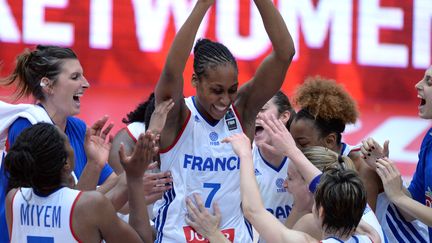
[43,218]
[277,200]
[200,163]
[134,129]
[353,239]
[395,227]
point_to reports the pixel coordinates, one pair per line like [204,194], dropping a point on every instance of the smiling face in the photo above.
[67,90]
[268,109]
[305,133]
[216,91]
[424,92]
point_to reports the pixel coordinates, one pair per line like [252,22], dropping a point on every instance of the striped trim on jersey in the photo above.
[162,214]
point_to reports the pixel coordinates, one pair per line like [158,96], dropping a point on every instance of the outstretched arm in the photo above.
[286,146]
[394,190]
[170,84]
[271,73]
[253,208]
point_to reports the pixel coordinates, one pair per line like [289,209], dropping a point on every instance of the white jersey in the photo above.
[200,163]
[347,149]
[353,239]
[277,200]
[370,218]
[134,129]
[396,228]
[43,218]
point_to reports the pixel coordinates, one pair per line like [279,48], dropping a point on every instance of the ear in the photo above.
[194,80]
[285,116]
[331,141]
[321,213]
[45,82]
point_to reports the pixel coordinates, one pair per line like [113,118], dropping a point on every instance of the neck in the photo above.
[57,117]
[273,159]
[337,235]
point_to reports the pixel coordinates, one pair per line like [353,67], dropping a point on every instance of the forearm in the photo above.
[303,165]
[89,177]
[138,216]
[276,29]
[251,198]
[413,209]
[218,237]
[184,40]
[118,193]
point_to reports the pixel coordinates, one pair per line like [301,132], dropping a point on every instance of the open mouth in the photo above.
[422,102]
[258,130]
[77,97]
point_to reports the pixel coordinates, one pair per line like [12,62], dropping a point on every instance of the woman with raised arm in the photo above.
[44,209]
[190,142]
[340,199]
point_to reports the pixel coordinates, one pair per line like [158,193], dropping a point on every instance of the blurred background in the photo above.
[377,49]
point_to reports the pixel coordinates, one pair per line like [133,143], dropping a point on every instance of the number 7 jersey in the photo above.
[200,163]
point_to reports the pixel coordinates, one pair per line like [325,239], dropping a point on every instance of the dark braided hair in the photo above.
[36,158]
[211,54]
[142,113]
[32,66]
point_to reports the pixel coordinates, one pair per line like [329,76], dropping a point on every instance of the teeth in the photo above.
[220,108]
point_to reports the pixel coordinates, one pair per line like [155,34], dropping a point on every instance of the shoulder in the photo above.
[91,204]
[76,122]
[75,125]
[19,124]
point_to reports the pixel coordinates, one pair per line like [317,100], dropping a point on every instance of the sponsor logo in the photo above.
[193,237]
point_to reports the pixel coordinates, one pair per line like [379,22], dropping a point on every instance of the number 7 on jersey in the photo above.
[214,188]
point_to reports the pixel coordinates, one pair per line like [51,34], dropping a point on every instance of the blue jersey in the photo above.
[421,184]
[75,131]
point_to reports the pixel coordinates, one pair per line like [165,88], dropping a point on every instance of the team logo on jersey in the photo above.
[279,184]
[230,120]
[214,138]
[428,197]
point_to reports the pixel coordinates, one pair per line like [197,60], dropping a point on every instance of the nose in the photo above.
[285,183]
[225,99]
[418,85]
[85,83]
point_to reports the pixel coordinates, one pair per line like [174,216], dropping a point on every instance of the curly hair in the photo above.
[326,100]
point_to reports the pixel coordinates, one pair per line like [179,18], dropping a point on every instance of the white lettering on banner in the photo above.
[152,18]
[101,14]
[422,42]
[372,17]
[228,30]
[330,16]
[37,31]
[8,28]
[397,127]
